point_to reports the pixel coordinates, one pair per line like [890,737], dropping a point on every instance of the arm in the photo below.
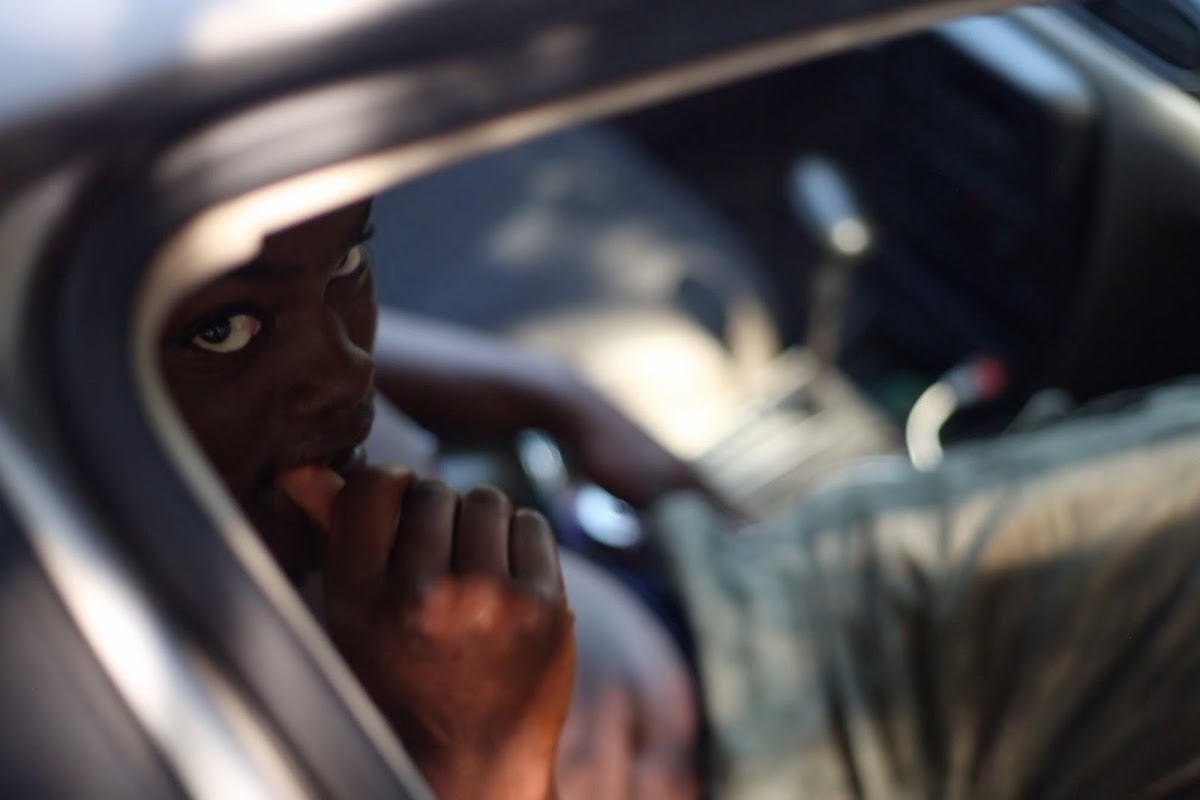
[437,372]
[461,384]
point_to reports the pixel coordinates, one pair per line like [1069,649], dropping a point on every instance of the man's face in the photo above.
[271,367]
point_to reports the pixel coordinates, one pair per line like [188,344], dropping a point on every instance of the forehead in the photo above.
[311,246]
[323,237]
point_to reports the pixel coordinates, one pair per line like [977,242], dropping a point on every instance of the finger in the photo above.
[481,534]
[364,530]
[425,534]
[533,555]
[313,489]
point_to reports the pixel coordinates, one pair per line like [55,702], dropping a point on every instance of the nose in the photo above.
[329,370]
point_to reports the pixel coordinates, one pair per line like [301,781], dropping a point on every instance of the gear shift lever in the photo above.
[827,209]
[804,417]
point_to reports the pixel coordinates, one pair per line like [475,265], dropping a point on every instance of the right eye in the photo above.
[350,262]
[227,334]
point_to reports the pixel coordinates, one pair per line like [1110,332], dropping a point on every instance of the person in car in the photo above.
[1019,622]
[450,610]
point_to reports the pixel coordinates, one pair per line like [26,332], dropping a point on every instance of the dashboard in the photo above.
[1037,175]
[1033,180]
[978,168]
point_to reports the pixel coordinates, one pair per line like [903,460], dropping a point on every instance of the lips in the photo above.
[339,445]
[349,462]
[289,532]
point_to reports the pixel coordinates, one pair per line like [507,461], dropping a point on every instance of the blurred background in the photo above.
[876,252]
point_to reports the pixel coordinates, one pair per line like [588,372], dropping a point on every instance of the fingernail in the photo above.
[313,489]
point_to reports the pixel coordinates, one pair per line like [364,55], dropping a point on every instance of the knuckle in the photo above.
[530,521]
[375,479]
[485,594]
[430,490]
[533,612]
[393,475]
[428,603]
[488,497]
[367,494]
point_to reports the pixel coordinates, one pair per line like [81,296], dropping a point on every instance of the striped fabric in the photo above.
[1023,622]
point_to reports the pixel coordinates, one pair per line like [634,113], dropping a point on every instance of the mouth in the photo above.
[285,528]
[340,448]
[348,462]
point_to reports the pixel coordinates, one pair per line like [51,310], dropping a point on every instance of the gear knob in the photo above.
[828,210]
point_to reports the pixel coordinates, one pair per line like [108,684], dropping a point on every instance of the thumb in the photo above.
[313,489]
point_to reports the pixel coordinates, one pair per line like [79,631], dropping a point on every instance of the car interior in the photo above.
[784,265]
[686,256]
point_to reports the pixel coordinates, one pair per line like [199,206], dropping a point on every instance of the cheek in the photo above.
[229,420]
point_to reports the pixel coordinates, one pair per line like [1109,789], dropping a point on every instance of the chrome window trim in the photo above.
[211,741]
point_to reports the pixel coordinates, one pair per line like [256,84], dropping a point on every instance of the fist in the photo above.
[451,612]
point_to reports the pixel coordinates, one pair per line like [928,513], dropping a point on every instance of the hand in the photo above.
[452,614]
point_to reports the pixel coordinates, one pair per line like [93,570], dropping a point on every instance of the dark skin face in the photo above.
[271,367]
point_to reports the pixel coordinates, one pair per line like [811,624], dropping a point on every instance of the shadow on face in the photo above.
[271,367]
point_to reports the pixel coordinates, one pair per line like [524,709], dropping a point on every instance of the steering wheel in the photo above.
[586,517]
